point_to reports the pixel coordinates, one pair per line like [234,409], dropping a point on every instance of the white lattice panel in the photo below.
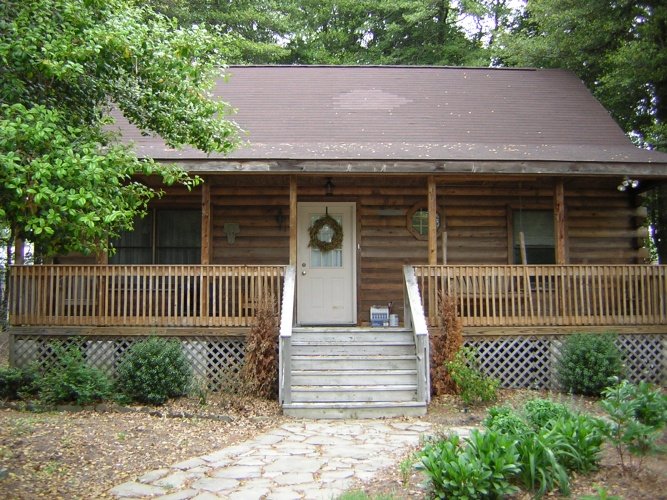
[214,360]
[515,361]
[530,362]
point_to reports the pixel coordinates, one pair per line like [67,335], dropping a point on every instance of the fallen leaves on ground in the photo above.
[84,454]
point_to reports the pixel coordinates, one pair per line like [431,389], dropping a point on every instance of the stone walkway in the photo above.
[300,459]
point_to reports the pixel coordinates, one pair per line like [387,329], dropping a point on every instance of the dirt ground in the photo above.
[82,454]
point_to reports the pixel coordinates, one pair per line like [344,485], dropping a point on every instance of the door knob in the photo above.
[303,273]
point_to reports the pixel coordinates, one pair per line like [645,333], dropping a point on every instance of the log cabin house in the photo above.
[511,189]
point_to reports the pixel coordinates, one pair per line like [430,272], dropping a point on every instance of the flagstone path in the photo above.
[299,460]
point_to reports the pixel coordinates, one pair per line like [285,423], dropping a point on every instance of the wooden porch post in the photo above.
[205,248]
[432,229]
[19,252]
[206,224]
[292,220]
[559,222]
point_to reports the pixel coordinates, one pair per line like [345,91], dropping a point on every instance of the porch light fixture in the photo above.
[329,187]
[627,183]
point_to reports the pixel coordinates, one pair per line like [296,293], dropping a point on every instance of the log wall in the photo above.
[601,223]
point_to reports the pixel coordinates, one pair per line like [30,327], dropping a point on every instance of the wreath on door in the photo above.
[314,232]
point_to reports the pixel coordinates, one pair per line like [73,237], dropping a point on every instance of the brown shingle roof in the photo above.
[413,113]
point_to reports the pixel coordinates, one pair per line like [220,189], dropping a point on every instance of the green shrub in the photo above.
[588,362]
[635,417]
[651,405]
[505,420]
[540,413]
[577,442]
[71,380]
[474,386]
[17,383]
[153,371]
[480,467]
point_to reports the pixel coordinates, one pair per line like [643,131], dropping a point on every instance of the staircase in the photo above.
[352,373]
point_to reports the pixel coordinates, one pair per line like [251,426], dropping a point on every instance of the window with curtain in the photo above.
[162,237]
[538,231]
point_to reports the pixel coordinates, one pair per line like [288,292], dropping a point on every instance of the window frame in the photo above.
[422,206]
[154,245]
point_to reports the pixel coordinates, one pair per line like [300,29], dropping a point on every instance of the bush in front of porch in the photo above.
[154,370]
[588,363]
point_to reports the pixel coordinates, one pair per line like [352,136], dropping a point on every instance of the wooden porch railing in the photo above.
[160,295]
[285,337]
[567,295]
[416,321]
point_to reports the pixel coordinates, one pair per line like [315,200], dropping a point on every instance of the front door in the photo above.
[326,287]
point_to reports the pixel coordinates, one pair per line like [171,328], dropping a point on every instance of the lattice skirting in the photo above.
[530,361]
[215,361]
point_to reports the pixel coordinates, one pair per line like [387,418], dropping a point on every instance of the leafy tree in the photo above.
[254,27]
[381,32]
[66,184]
[619,49]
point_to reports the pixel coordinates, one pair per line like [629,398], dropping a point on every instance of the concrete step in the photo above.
[354,393]
[355,409]
[353,362]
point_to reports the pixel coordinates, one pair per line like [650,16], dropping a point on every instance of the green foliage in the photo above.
[71,380]
[635,417]
[474,386]
[66,184]
[651,404]
[252,27]
[505,420]
[17,383]
[578,442]
[154,370]
[541,413]
[540,469]
[601,494]
[588,362]
[481,467]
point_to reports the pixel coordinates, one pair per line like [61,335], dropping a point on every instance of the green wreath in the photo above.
[314,232]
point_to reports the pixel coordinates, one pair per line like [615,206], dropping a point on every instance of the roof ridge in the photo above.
[396,66]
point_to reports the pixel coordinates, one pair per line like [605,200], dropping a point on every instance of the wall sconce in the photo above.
[329,187]
[231,230]
[627,183]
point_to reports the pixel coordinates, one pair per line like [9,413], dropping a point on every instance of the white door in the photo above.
[326,285]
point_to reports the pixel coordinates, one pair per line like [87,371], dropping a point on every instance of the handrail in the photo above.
[416,321]
[285,338]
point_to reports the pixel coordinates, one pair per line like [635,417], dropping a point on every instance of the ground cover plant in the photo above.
[546,442]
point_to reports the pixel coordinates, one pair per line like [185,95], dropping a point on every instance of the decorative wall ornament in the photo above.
[231,229]
[314,232]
